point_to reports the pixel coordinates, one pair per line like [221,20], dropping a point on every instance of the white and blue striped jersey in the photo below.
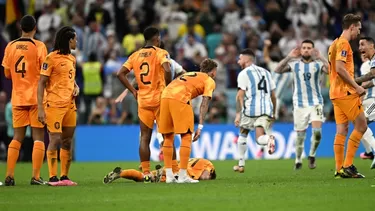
[307,91]
[258,84]
[282,80]
[365,68]
[175,68]
[372,66]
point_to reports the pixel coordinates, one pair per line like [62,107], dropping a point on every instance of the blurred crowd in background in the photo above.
[109,31]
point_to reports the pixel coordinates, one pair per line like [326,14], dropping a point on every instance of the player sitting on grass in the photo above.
[198,169]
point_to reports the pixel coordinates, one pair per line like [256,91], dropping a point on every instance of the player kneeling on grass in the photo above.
[198,169]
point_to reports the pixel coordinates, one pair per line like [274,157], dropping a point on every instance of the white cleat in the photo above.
[372,164]
[186,180]
[239,169]
[112,176]
[170,180]
[271,145]
[1,183]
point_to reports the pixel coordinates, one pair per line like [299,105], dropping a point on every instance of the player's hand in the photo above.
[122,96]
[41,116]
[316,53]
[135,94]
[197,134]
[296,52]
[360,90]
[76,90]
[267,43]
[237,120]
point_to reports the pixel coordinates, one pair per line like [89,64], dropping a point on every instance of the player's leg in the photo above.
[263,135]
[317,119]
[368,139]
[242,148]
[130,174]
[301,122]
[146,120]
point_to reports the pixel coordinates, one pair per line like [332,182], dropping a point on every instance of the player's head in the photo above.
[28,24]
[367,47]
[152,36]
[209,66]
[208,175]
[246,58]
[307,48]
[352,24]
[65,40]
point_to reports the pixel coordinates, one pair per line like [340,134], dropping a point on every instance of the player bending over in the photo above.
[58,109]
[307,96]
[255,105]
[198,169]
[23,58]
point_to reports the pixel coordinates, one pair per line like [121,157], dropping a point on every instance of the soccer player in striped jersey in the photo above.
[255,105]
[307,96]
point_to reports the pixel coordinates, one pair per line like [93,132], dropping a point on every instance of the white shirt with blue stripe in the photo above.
[307,90]
[372,66]
[365,68]
[258,84]
[175,68]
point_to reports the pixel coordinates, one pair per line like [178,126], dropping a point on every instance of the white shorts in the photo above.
[251,123]
[369,106]
[304,116]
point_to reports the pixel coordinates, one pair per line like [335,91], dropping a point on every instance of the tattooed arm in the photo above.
[366,77]
[203,109]
[368,84]
[283,66]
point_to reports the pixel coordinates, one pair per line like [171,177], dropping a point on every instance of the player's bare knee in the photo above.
[317,133]
[38,134]
[19,134]
[54,141]
[66,143]
[342,129]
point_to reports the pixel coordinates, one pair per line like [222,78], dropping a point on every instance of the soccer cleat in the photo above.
[186,180]
[65,181]
[39,181]
[1,183]
[271,145]
[239,169]
[171,180]
[372,164]
[159,173]
[298,166]
[351,172]
[9,181]
[365,155]
[260,153]
[312,164]
[112,176]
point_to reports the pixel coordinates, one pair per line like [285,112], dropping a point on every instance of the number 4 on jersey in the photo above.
[23,66]
[262,85]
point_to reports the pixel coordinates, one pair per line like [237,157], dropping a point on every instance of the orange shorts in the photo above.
[175,117]
[347,108]
[56,118]
[26,115]
[149,115]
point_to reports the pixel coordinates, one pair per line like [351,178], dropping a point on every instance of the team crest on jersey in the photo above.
[344,53]
[45,66]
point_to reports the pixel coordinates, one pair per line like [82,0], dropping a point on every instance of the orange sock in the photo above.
[353,144]
[168,150]
[338,148]
[38,157]
[185,150]
[132,174]
[13,153]
[65,160]
[145,167]
[175,167]
[52,162]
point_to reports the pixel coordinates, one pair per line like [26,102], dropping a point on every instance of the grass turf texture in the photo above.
[266,185]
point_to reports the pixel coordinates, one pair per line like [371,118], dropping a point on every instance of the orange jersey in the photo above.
[189,86]
[61,72]
[24,57]
[196,166]
[149,73]
[340,50]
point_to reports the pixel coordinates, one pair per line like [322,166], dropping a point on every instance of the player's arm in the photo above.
[45,73]
[341,71]
[367,77]
[266,51]
[273,95]
[7,73]
[166,64]
[6,64]
[122,76]
[283,65]
[319,56]
[240,97]
[368,84]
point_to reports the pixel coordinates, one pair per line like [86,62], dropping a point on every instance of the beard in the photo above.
[306,57]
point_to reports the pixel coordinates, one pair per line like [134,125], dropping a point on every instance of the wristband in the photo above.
[200,127]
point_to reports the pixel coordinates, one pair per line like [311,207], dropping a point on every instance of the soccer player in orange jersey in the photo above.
[345,95]
[198,168]
[22,61]
[58,109]
[177,117]
[152,72]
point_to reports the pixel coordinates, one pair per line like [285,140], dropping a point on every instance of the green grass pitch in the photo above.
[266,185]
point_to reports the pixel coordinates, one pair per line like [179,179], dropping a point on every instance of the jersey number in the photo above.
[70,74]
[145,72]
[306,76]
[187,75]
[262,85]
[22,70]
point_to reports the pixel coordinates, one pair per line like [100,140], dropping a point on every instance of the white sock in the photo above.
[160,138]
[315,140]
[182,173]
[368,139]
[242,147]
[300,141]
[169,173]
[263,140]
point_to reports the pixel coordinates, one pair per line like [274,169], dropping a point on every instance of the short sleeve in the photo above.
[242,81]
[6,61]
[342,51]
[129,63]
[163,57]
[209,87]
[47,66]
[365,68]
[177,67]
[271,81]
[42,53]
[372,63]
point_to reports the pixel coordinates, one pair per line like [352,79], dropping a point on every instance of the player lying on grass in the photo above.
[198,169]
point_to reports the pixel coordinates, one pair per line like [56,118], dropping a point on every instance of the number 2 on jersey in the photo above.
[145,71]
[262,85]
[187,75]
[23,66]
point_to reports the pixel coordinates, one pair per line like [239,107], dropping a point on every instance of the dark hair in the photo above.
[213,174]
[63,36]
[350,19]
[368,39]
[150,32]
[247,51]
[92,57]
[309,41]
[28,23]
[208,65]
